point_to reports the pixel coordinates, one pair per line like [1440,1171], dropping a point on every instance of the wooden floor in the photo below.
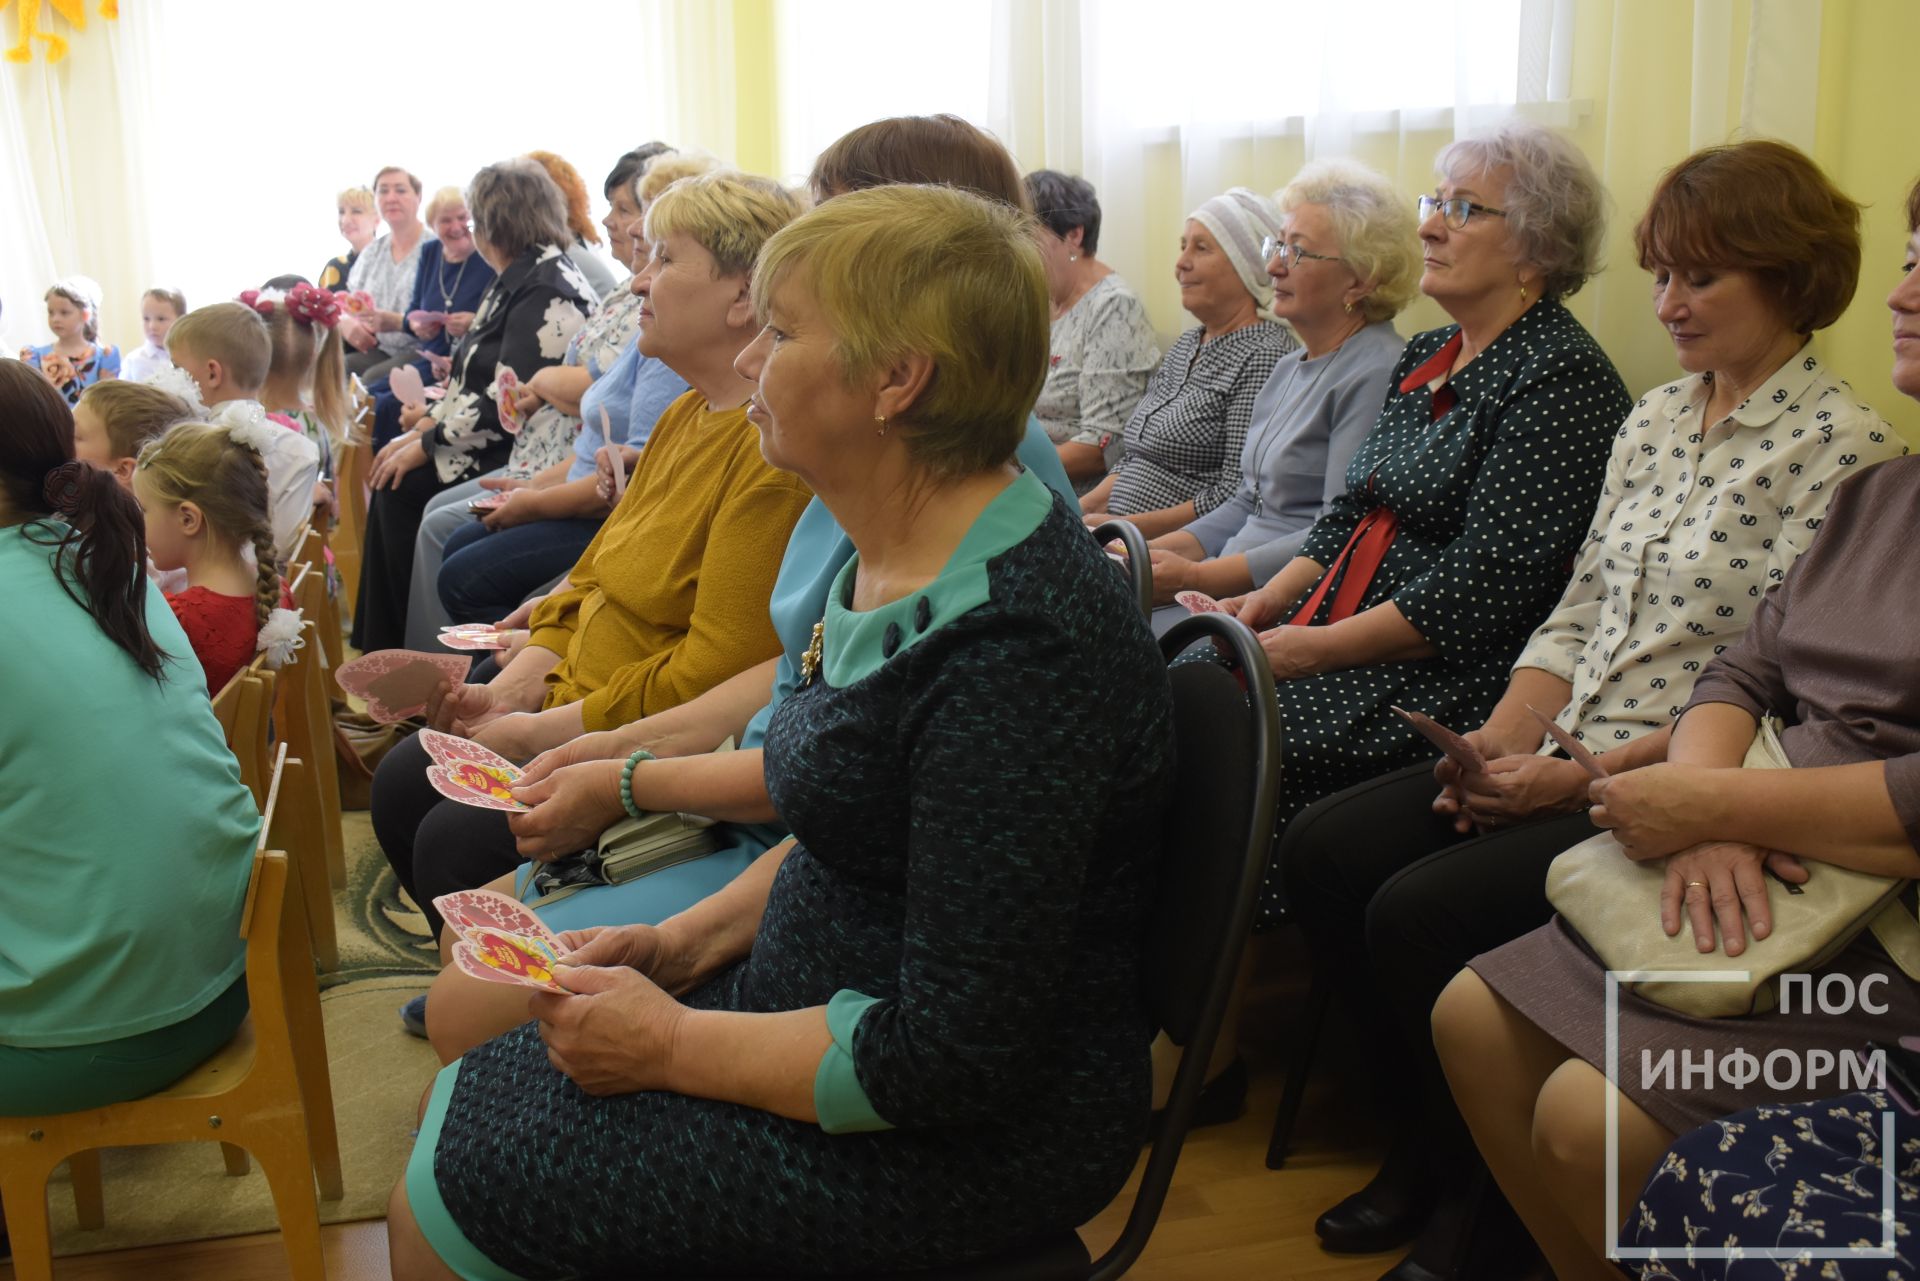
[1227,1215]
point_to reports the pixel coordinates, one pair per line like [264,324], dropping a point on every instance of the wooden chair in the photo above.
[350,465]
[266,1092]
[243,709]
[311,845]
[307,716]
[323,607]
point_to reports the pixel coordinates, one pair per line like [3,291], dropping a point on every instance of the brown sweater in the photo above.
[670,597]
[1835,649]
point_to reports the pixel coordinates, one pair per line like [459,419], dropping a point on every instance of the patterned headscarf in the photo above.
[1239,220]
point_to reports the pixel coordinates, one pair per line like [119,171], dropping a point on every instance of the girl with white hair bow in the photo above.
[1181,455]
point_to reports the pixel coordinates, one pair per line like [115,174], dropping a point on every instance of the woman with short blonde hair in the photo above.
[941,1027]
[358,223]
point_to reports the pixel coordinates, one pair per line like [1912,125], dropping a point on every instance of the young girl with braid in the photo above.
[204,490]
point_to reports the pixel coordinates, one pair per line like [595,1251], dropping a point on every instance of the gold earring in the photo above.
[1523,291]
[1349,307]
[882,420]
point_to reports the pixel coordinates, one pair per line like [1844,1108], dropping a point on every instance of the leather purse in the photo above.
[1613,903]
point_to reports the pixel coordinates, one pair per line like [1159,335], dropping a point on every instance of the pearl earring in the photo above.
[882,420]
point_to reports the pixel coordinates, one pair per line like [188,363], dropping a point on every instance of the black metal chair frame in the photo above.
[1139,565]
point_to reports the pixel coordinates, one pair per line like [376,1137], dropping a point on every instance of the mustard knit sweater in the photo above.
[670,597]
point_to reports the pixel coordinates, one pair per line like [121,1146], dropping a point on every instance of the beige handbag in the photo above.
[1613,903]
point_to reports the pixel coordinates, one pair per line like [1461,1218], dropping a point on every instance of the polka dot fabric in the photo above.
[1492,498]
[1696,523]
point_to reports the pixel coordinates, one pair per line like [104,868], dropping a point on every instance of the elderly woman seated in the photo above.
[1104,350]
[550,507]
[1829,658]
[1714,486]
[670,597]
[929,1000]
[1180,457]
[1343,267]
[525,321]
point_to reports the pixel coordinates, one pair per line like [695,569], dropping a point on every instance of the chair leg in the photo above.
[316,893]
[89,1202]
[23,1197]
[290,1179]
[307,1031]
[236,1159]
[1300,1067]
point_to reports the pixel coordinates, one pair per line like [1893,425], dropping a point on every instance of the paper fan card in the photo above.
[1198,603]
[444,749]
[477,636]
[466,910]
[396,683]
[483,786]
[1451,745]
[494,957]
[418,318]
[1572,746]
[506,384]
[406,386]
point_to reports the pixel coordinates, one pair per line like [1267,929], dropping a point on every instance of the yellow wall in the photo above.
[1863,140]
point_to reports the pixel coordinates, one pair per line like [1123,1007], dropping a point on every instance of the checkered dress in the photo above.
[1184,440]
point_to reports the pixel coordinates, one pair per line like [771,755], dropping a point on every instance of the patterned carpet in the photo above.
[182,1193]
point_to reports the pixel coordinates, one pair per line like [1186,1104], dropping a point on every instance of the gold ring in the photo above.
[1692,884]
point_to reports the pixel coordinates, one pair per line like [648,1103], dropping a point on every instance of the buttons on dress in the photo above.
[890,643]
[922,614]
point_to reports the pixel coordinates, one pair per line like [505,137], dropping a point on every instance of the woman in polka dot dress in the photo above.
[1716,484]
[1467,502]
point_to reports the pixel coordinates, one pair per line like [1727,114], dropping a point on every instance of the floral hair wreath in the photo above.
[314,306]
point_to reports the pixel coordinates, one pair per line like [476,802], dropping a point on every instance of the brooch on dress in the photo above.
[810,661]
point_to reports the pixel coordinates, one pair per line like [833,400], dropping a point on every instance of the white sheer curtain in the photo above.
[1162,106]
[74,175]
[842,64]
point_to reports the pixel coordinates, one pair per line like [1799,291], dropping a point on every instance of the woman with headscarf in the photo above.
[1181,455]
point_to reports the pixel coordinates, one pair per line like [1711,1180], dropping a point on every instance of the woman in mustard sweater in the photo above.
[670,598]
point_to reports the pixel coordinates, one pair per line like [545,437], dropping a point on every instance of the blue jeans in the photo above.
[486,574]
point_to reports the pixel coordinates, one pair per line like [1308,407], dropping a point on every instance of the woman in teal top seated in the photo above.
[914,1032]
[128,834]
[574,805]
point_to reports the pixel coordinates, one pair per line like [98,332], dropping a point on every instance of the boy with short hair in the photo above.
[226,351]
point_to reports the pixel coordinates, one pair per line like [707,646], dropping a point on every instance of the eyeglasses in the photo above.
[1455,211]
[1290,254]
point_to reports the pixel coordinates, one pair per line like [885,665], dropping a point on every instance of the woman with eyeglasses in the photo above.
[1180,454]
[1342,268]
[1716,483]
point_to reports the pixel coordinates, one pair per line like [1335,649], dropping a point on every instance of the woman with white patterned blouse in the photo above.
[1716,483]
[1180,457]
[1103,348]
[527,318]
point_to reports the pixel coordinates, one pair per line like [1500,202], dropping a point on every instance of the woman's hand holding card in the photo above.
[572,806]
[615,1035]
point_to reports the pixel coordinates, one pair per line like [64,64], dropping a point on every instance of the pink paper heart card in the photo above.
[396,683]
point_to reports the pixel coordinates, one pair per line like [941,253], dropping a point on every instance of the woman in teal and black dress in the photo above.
[913,1033]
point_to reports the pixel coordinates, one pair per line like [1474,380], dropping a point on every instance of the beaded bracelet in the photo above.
[626,781]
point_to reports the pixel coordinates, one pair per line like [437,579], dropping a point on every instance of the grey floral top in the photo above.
[390,283]
[548,436]
[1185,438]
[527,318]
[1104,352]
